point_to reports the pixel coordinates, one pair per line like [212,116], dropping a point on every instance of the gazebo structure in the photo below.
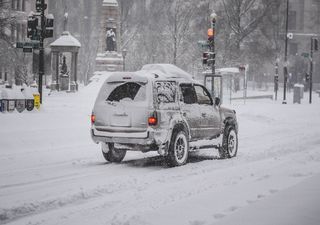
[63,80]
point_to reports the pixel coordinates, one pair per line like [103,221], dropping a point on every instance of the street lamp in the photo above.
[124,53]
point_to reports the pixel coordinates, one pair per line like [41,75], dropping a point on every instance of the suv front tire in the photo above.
[229,146]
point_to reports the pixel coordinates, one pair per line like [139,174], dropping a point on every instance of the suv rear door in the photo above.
[122,106]
[189,109]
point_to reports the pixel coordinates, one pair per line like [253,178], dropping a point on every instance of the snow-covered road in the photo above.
[52,173]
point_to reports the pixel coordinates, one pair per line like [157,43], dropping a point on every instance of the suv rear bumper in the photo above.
[140,138]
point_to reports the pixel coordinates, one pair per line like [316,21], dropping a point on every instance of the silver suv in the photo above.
[160,108]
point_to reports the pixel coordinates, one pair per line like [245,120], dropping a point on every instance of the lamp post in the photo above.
[276,78]
[124,53]
[285,68]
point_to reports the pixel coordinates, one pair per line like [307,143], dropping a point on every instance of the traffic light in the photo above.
[242,68]
[32,28]
[315,44]
[276,79]
[210,35]
[49,26]
[39,6]
[307,77]
[205,57]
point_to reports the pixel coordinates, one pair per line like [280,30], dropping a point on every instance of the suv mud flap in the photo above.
[163,149]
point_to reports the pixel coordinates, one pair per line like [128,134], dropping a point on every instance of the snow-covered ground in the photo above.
[52,173]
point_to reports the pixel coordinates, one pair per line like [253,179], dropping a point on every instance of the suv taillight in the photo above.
[153,119]
[93,118]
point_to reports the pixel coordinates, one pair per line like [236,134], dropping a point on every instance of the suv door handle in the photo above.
[203,114]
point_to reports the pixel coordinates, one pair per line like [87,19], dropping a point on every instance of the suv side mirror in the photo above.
[217,101]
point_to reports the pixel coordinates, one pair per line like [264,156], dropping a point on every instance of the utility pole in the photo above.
[285,68]
[314,47]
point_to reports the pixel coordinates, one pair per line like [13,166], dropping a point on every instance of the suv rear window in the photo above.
[128,91]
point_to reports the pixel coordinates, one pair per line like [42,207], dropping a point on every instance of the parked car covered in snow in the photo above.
[160,108]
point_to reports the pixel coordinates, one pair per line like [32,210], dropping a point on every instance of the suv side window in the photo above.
[203,95]
[188,93]
[166,91]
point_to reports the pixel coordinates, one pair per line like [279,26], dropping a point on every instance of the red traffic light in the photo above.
[210,32]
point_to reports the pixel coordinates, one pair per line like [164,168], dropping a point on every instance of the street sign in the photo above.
[19,44]
[290,35]
[33,44]
[27,49]
[305,54]
[203,44]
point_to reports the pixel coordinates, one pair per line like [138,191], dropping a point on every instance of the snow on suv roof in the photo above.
[151,72]
[167,70]
[127,76]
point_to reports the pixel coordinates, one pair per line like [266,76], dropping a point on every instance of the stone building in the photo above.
[304,23]
[14,67]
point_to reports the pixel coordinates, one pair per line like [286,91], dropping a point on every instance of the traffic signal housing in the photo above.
[39,6]
[205,57]
[242,68]
[307,77]
[315,43]
[32,31]
[49,26]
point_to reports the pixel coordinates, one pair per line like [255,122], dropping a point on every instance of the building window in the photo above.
[12,33]
[13,4]
[18,30]
[18,5]
[292,20]
[23,5]
[293,48]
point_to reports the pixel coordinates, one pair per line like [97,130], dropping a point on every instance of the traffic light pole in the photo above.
[213,66]
[311,71]
[41,49]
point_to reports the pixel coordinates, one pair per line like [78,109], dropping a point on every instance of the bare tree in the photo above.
[10,58]
[244,17]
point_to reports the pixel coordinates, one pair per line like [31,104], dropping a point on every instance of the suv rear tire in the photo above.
[114,154]
[178,149]
[229,146]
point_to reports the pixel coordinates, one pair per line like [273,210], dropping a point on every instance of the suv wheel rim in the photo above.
[180,148]
[232,143]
